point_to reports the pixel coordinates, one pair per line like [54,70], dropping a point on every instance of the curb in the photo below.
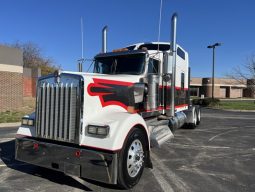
[5,125]
[236,110]
[232,110]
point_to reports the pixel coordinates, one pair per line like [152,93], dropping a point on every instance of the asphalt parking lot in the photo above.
[217,156]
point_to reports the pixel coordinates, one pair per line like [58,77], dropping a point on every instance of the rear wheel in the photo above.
[131,159]
[194,120]
[198,116]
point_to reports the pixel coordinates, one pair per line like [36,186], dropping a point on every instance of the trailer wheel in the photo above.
[131,159]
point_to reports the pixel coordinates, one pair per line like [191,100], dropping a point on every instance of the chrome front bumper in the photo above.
[72,160]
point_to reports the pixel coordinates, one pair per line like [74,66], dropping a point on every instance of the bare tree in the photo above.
[245,74]
[33,58]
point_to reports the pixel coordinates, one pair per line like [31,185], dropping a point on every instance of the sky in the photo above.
[55,26]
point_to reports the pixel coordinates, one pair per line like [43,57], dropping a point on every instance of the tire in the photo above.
[194,123]
[131,159]
[198,111]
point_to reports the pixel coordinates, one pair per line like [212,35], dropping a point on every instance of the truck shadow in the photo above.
[7,155]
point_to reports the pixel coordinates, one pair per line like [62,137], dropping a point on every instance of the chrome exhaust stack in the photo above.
[173,48]
[104,39]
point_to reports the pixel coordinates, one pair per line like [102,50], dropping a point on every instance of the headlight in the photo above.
[102,131]
[98,131]
[24,121]
[27,121]
[92,129]
[30,122]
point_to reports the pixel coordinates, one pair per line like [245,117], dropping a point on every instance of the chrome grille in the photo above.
[56,111]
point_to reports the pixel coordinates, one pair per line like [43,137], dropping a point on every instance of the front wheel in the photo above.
[131,159]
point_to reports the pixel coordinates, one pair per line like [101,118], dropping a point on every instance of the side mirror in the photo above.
[167,63]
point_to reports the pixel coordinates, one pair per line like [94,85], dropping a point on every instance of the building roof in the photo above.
[227,82]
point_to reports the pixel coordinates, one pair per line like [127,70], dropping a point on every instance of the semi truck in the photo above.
[102,125]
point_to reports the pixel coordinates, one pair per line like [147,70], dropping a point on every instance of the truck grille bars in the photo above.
[56,111]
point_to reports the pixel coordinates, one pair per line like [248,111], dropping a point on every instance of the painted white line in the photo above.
[165,186]
[249,126]
[3,165]
[162,169]
[214,147]
[221,134]
[204,130]
[220,128]
[200,146]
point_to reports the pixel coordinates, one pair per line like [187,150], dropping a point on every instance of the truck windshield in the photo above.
[132,64]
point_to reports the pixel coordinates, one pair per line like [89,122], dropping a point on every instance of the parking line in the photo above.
[200,146]
[161,180]
[221,134]
[159,167]
[249,126]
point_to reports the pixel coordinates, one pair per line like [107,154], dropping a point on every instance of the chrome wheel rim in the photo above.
[135,158]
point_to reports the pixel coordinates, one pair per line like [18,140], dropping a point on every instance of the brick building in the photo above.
[30,77]
[16,82]
[223,88]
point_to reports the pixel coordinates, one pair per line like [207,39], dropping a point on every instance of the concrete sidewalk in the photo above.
[4,125]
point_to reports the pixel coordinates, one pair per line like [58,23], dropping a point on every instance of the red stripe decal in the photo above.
[106,87]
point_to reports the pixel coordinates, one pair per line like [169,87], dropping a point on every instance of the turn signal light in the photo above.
[78,153]
[131,109]
[36,146]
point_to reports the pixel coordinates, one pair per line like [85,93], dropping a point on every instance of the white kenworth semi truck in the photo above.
[102,125]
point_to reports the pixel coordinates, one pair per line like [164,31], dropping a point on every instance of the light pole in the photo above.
[213,47]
